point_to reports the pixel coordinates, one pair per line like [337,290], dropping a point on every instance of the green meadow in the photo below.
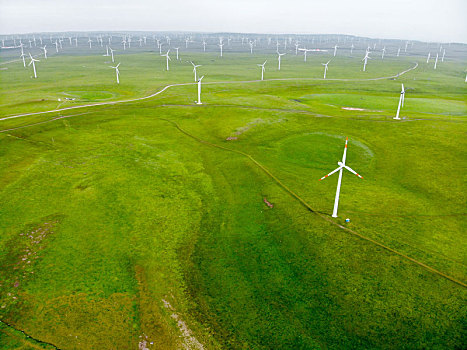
[139,221]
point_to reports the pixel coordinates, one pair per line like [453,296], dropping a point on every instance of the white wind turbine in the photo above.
[262,69]
[436,61]
[325,68]
[194,69]
[204,45]
[24,62]
[296,48]
[401,103]
[112,53]
[279,55]
[167,59]
[56,45]
[76,42]
[176,49]
[383,51]
[351,49]
[444,53]
[45,51]
[199,91]
[335,50]
[107,51]
[398,51]
[341,167]
[251,47]
[33,60]
[221,45]
[124,44]
[117,72]
[90,43]
[428,57]
[365,60]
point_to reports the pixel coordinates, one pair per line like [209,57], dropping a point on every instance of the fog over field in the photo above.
[426,20]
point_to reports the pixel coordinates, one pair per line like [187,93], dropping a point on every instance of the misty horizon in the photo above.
[418,20]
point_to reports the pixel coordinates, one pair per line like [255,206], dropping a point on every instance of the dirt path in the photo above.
[207,83]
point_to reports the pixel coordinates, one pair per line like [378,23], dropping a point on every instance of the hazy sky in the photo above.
[429,20]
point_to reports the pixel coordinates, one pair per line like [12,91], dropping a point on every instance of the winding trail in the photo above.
[321,215]
[207,83]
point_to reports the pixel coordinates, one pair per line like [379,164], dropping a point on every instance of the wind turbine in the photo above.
[112,53]
[199,91]
[204,45]
[194,68]
[444,53]
[167,59]
[176,48]
[33,60]
[90,43]
[56,45]
[24,62]
[107,51]
[341,167]
[436,61]
[325,68]
[117,72]
[398,51]
[351,49]
[124,44]
[221,45]
[383,52]
[251,47]
[296,48]
[335,50]
[401,103]
[45,51]
[262,69]
[365,59]
[279,55]
[428,57]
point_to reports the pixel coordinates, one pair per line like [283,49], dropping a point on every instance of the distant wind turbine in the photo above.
[221,45]
[335,50]
[325,68]
[117,72]
[401,103]
[33,60]
[279,55]
[262,69]
[365,60]
[24,62]
[112,53]
[428,57]
[194,69]
[90,43]
[45,51]
[167,59]
[176,49]
[199,91]
[436,61]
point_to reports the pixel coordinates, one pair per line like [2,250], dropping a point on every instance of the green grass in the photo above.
[145,226]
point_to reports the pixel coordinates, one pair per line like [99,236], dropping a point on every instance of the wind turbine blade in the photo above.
[332,172]
[353,171]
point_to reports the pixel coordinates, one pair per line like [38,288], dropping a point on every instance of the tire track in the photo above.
[207,83]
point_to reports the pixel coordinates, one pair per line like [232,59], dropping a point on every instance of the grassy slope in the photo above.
[142,213]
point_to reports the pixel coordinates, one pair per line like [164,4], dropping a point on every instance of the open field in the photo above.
[139,219]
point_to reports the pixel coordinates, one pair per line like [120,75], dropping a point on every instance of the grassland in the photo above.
[125,221]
